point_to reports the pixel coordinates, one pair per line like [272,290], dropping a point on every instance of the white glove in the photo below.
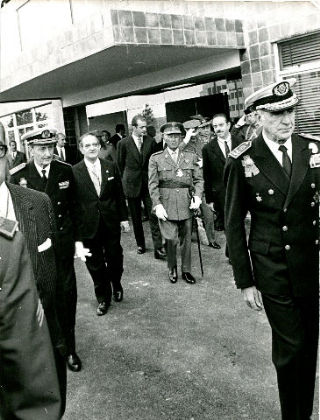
[161,212]
[242,121]
[200,163]
[125,227]
[190,133]
[81,252]
[195,203]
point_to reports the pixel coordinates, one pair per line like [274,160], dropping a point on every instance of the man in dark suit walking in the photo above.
[214,156]
[15,157]
[65,152]
[133,154]
[33,213]
[28,380]
[120,133]
[55,178]
[102,213]
[276,178]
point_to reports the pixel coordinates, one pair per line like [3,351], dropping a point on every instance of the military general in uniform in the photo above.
[55,178]
[276,178]
[175,186]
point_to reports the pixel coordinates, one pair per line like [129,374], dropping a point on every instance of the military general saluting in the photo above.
[175,186]
[276,177]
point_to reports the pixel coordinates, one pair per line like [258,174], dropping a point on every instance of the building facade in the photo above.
[80,64]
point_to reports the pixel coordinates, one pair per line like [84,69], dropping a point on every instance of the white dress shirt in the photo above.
[61,152]
[94,167]
[40,169]
[6,203]
[274,147]
[221,143]
[137,143]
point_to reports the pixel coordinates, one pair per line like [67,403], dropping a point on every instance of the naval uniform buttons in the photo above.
[314,222]
[285,210]
[287,247]
[270,192]
[59,215]
[317,241]
[59,202]
[313,185]
[61,228]
[177,190]
[284,228]
[312,204]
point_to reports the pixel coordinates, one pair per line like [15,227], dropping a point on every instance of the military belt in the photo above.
[173,184]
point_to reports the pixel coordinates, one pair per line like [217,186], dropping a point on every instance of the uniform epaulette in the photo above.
[310,137]
[61,161]
[17,168]
[239,150]
[157,153]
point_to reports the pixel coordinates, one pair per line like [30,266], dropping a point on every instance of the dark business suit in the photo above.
[213,166]
[60,189]
[19,158]
[284,257]
[29,386]
[115,140]
[71,153]
[35,216]
[100,218]
[134,172]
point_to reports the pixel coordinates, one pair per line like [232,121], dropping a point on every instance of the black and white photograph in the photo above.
[159,209]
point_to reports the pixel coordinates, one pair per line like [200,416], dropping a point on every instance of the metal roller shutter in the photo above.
[297,51]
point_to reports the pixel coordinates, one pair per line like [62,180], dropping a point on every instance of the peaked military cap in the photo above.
[273,98]
[191,124]
[172,128]
[41,137]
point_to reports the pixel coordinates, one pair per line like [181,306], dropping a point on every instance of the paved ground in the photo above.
[173,352]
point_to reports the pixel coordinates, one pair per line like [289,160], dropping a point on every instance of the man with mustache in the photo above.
[276,178]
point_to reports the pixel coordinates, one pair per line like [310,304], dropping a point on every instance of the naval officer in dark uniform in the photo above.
[175,186]
[55,178]
[276,177]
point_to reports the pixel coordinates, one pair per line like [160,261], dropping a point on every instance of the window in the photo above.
[300,58]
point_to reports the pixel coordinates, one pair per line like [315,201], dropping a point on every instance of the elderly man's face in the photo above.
[42,155]
[172,140]
[90,147]
[278,126]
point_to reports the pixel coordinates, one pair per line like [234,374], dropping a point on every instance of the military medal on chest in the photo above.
[179,173]
[250,168]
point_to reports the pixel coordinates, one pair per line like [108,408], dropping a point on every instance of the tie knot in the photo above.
[283,148]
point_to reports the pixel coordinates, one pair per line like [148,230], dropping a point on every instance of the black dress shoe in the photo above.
[173,275]
[102,308]
[214,245]
[118,294]
[188,277]
[74,362]
[141,250]
[160,254]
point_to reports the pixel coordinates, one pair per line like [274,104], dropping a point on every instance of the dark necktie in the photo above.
[286,162]
[226,148]
[44,178]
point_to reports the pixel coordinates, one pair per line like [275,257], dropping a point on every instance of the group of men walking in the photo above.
[275,176]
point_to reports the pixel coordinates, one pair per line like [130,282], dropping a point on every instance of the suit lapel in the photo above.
[217,151]
[34,178]
[300,165]
[86,179]
[133,149]
[269,165]
[104,175]
[145,149]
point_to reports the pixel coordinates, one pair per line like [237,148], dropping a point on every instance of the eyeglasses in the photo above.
[87,146]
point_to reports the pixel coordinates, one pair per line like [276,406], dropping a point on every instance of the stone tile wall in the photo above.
[136,27]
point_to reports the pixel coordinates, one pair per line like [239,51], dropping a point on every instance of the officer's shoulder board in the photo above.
[239,150]
[62,162]
[17,168]
[157,153]
[310,137]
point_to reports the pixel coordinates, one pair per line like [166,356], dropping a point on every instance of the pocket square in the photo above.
[63,185]
[46,245]
[110,178]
